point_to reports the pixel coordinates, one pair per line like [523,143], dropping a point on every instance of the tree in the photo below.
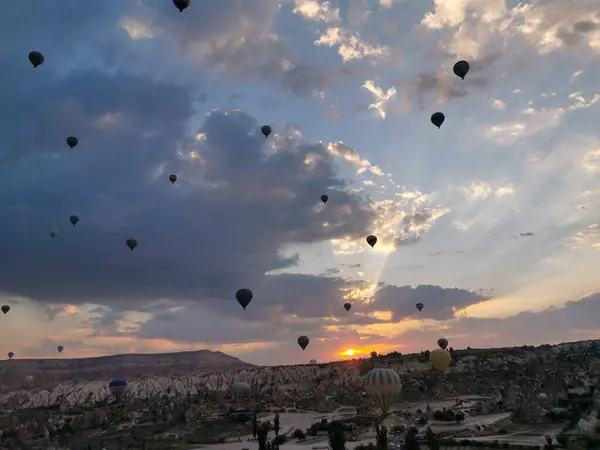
[432,441]
[410,440]
[381,438]
[337,437]
[262,434]
[254,425]
[276,424]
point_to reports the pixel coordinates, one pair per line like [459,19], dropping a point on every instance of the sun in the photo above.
[348,352]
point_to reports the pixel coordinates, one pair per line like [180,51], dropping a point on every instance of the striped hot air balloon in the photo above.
[383,385]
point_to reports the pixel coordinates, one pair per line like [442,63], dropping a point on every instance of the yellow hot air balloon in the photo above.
[440,359]
[53,233]
[383,385]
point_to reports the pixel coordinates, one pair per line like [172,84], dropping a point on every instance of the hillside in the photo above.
[549,370]
[51,372]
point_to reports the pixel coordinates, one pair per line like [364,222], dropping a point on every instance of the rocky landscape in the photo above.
[51,372]
[541,388]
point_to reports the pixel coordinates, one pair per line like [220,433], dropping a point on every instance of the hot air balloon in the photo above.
[239,389]
[461,68]
[420,306]
[437,119]
[131,243]
[36,58]
[383,385]
[373,354]
[312,361]
[73,219]
[5,308]
[10,355]
[53,233]
[28,381]
[324,198]
[244,297]
[172,178]
[372,240]
[442,343]
[117,388]
[440,359]
[181,4]
[72,141]
[60,348]
[266,130]
[303,342]
[347,306]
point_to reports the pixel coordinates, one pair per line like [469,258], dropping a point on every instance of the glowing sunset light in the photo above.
[350,352]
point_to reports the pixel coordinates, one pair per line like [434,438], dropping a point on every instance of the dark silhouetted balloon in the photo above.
[324,198]
[373,354]
[266,130]
[10,355]
[36,58]
[172,178]
[347,306]
[442,343]
[5,308]
[60,348]
[244,297]
[437,119]
[303,342]
[72,141]
[181,4]
[73,219]
[420,306]
[461,68]
[372,240]
[53,233]
[131,243]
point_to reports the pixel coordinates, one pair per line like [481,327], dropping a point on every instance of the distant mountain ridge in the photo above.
[48,372]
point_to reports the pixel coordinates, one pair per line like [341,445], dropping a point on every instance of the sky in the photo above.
[490,221]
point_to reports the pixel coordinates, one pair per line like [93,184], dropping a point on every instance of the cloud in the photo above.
[232,208]
[351,46]
[439,303]
[317,11]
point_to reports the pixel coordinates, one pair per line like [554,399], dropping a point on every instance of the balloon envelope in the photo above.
[244,297]
[383,385]
[461,68]
[72,141]
[438,119]
[181,4]
[347,306]
[131,243]
[324,198]
[60,348]
[372,240]
[240,389]
[442,343]
[172,178]
[5,308]
[440,359]
[36,58]
[266,130]
[419,306]
[74,220]
[11,354]
[303,342]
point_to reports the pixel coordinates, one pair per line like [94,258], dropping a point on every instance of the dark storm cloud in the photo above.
[438,301]
[218,229]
